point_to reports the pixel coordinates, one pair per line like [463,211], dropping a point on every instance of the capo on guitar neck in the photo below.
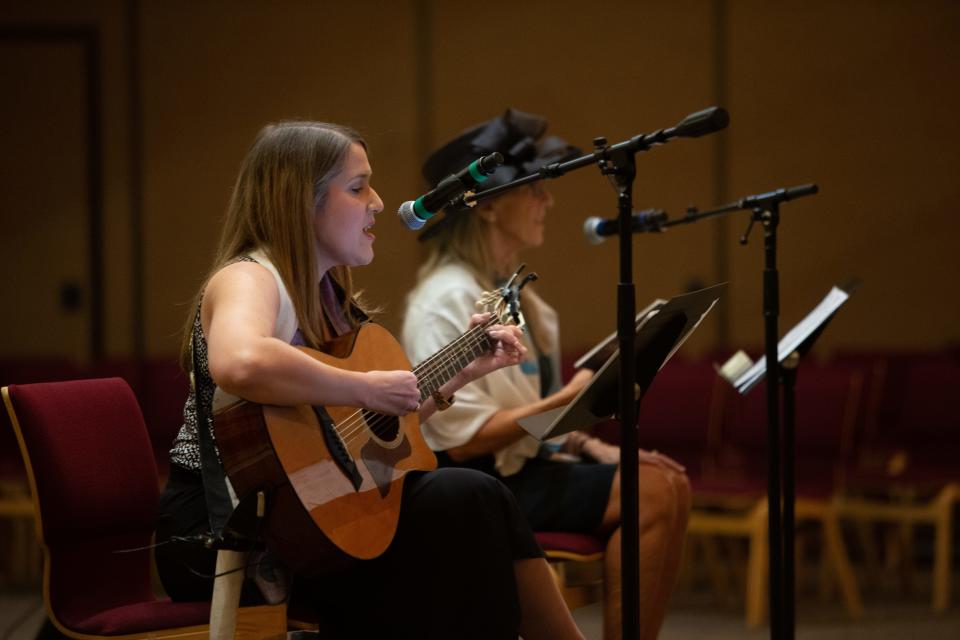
[511,292]
[507,298]
[530,277]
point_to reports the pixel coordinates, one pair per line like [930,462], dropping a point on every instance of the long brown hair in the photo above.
[282,181]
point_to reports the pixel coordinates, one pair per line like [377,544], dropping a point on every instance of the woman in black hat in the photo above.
[474,251]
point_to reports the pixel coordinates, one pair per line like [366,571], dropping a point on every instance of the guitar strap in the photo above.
[216,494]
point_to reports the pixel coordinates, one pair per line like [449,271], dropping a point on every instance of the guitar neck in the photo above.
[441,367]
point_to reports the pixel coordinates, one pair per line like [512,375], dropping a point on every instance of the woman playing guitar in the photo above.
[462,562]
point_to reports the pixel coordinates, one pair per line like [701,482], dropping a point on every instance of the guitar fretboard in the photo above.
[441,367]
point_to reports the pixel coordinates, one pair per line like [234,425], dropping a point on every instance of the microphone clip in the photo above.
[467,200]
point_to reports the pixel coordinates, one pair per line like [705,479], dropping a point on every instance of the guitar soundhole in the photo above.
[384,427]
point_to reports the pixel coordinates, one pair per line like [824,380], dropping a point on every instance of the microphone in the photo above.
[702,122]
[415,213]
[779,195]
[597,229]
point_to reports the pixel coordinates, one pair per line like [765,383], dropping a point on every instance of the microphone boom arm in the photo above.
[693,126]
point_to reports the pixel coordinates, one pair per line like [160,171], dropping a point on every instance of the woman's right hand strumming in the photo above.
[394,393]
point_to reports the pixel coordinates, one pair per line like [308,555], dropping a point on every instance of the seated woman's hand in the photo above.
[586,446]
[601,451]
[394,393]
[583,445]
[506,350]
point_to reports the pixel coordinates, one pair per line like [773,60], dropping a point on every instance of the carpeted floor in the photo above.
[692,616]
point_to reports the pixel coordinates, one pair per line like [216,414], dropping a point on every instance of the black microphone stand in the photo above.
[621,169]
[780,453]
[618,163]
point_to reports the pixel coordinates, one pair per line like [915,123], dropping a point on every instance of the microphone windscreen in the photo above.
[591,230]
[409,217]
[703,122]
[488,164]
[802,190]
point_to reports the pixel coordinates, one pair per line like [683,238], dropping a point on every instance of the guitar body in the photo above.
[335,477]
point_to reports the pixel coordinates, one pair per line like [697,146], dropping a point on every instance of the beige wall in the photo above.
[857,96]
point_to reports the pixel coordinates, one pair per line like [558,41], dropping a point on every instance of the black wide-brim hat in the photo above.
[517,135]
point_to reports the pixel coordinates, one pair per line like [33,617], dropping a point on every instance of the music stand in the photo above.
[794,345]
[662,329]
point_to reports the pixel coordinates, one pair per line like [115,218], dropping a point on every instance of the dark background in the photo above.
[124,124]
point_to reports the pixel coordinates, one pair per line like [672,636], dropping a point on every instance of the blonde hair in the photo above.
[282,181]
[463,238]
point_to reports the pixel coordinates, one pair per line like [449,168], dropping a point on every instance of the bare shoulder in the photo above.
[246,285]
[241,275]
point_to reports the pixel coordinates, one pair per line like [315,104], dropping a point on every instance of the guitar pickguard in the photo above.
[382,462]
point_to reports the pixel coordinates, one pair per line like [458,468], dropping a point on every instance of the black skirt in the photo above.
[448,572]
[562,496]
[553,495]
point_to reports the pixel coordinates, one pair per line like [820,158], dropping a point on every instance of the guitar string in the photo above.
[348,428]
[353,424]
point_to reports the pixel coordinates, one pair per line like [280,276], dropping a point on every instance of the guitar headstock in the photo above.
[504,302]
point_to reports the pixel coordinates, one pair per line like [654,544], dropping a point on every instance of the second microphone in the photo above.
[597,229]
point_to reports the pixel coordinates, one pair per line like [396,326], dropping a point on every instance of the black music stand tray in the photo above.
[662,328]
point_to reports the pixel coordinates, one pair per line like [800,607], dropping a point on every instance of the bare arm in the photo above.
[238,313]
[502,428]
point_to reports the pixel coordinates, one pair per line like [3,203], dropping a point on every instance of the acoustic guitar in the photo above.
[334,475]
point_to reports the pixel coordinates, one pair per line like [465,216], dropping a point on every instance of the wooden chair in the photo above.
[577,563]
[907,474]
[94,485]
[731,501]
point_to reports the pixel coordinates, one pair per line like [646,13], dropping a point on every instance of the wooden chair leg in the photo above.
[908,580]
[735,553]
[826,576]
[841,564]
[226,594]
[718,576]
[559,570]
[757,569]
[868,545]
[943,532]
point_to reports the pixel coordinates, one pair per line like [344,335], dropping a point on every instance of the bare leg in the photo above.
[664,508]
[543,612]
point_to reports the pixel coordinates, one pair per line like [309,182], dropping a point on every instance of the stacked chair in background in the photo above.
[876,472]
[905,474]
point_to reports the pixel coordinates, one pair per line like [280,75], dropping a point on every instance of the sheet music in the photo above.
[693,307]
[687,331]
[609,343]
[794,338]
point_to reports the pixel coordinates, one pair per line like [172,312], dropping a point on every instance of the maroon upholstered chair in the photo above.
[565,550]
[680,415]
[94,484]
